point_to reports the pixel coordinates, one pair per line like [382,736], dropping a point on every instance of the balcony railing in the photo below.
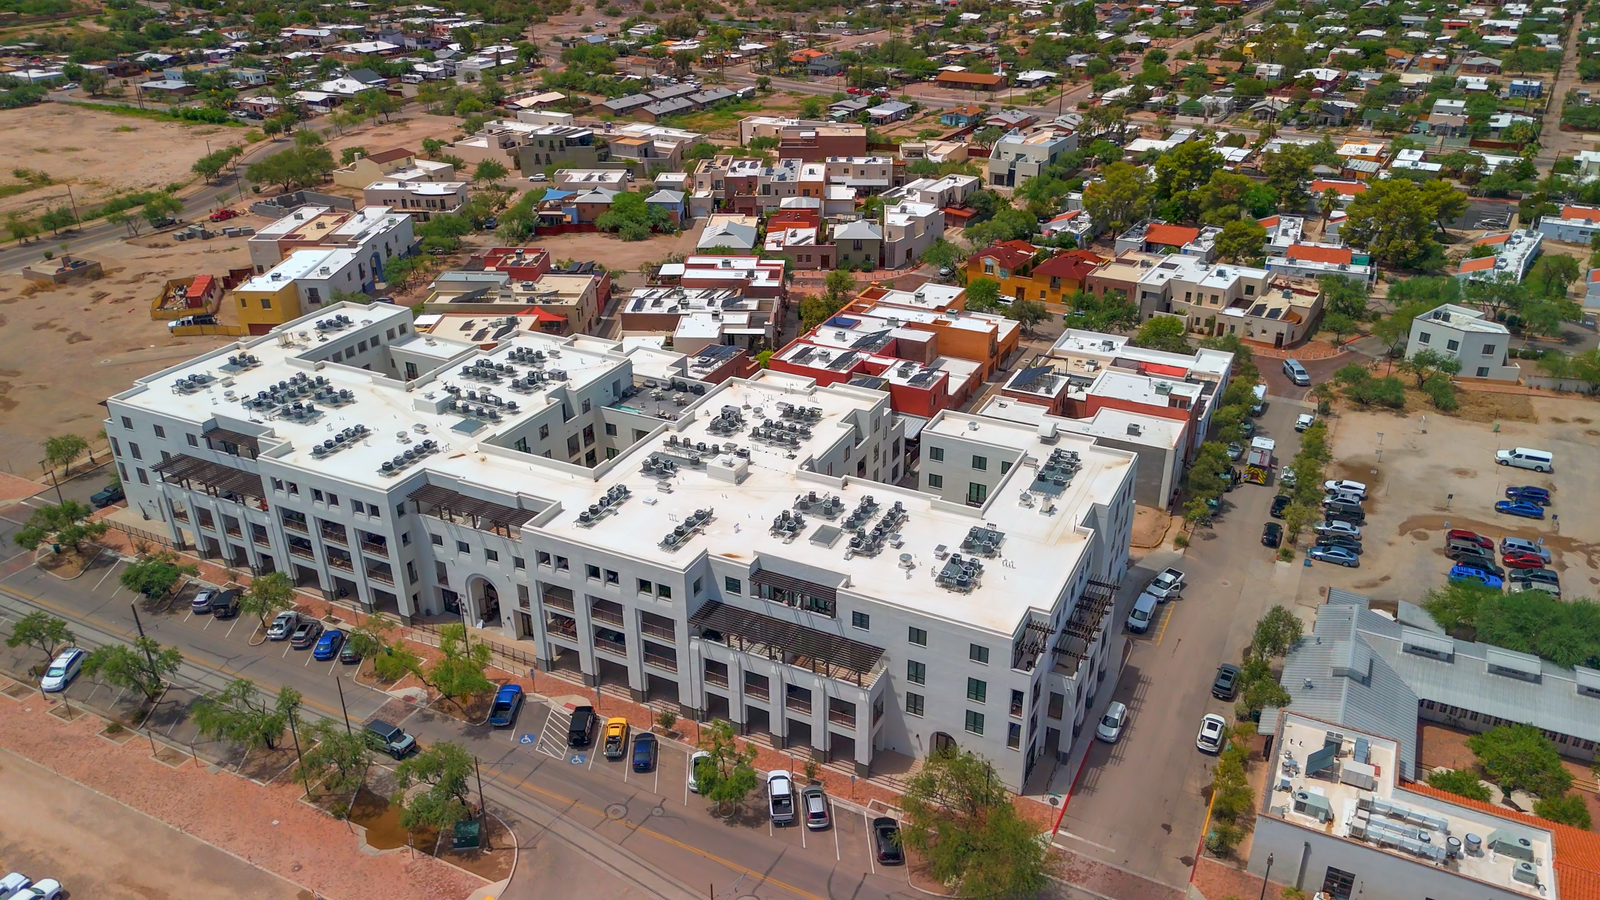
[555,601]
[618,647]
[720,679]
[378,547]
[606,615]
[342,562]
[180,515]
[567,628]
[797,704]
[757,691]
[840,717]
[380,575]
[296,525]
[260,539]
[232,531]
[661,662]
[302,552]
[660,631]
[334,534]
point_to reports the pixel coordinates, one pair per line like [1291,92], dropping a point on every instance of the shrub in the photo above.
[1568,809]
[1442,393]
[1223,838]
[1180,541]
[1463,782]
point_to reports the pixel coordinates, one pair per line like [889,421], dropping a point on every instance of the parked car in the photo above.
[1540,576]
[1336,555]
[305,635]
[1519,559]
[1110,727]
[507,702]
[1518,585]
[1458,534]
[886,841]
[1473,573]
[1523,545]
[223,215]
[1166,585]
[1235,451]
[1339,540]
[1344,485]
[43,889]
[283,626]
[1458,550]
[1226,684]
[616,737]
[226,606]
[111,493]
[328,645]
[394,741]
[201,604]
[14,882]
[65,667]
[1212,729]
[1304,421]
[780,797]
[580,728]
[694,769]
[1337,527]
[349,654]
[1487,564]
[1524,508]
[1529,493]
[1271,534]
[538,178]
[1279,504]
[814,803]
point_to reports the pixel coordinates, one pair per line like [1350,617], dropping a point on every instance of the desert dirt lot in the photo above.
[1423,462]
[99,153]
[97,847]
[64,349]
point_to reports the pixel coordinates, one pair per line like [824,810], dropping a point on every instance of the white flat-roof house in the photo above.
[1481,344]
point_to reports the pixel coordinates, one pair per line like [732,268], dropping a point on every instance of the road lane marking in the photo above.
[1171,611]
[1083,840]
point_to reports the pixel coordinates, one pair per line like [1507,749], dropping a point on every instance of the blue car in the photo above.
[1473,573]
[1529,493]
[1524,508]
[506,703]
[328,645]
[644,752]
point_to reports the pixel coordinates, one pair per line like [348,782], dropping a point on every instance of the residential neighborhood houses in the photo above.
[717,373]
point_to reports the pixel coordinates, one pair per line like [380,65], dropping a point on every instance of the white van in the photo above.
[1296,372]
[1259,404]
[1144,609]
[1526,458]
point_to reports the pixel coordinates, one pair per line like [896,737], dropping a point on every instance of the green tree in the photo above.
[1520,758]
[1178,176]
[1120,199]
[1277,631]
[983,295]
[1568,809]
[42,630]
[141,667]
[1240,240]
[1394,330]
[1462,782]
[336,758]
[810,107]
[1424,364]
[1109,311]
[161,207]
[153,576]
[458,672]
[1028,312]
[1163,333]
[1393,219]
[442,772]
[1339,325]
[66,524]
[267,596]
[1344,296]
[942,253]
[728,776]
[959,820]
[236,714]
[1288,175]
[489,172]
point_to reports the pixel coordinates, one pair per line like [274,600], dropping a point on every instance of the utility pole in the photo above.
[140,625]
[339,682]
[299,760]
[74,203]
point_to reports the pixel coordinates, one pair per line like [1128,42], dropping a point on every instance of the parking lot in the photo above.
[1428,474]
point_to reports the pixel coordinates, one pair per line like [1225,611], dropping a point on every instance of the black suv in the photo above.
[1340,540]
[580,733]
[1226,684]
[1279,504]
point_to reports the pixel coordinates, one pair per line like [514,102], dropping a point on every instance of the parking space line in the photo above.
[1171,611]
[109,570]
[307,663]
[802,827]
[655,788]
[209,620]
[333,665]
[188,615]
[229,632]
[285,650]
[871,856]
[833,826]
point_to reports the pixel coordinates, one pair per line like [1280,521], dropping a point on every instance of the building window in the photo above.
[732,586]
[698,583]
[1452,345]
[916,672]
[561,564]
[977,493]
[980,463]
[587,406]
[612,578]
[663,592]
[591,572]
[162,432]
[127,423]
[543,558]
[917,636]
[611,430]
[1004,467]
[861,620]
[438,540]
[978,654]
[193,441]
[1488,350]
[461,547]
[644,586]
[977,691]
[143,478]
[134,449]
[914,704]
[1016,702]
[1424,338]
[518,562]
[935,480]
[936,454]
[544,432]
[1483,371]
[975,722]
[1014,735]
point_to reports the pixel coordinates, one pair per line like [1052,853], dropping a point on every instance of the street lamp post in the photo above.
[1265,877]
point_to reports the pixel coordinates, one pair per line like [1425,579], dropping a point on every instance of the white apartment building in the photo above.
[908,229]
[745,555]
[1016,157]
[374,232]
[1479,343]
[422,199]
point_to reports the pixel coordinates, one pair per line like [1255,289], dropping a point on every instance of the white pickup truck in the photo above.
[1166,585]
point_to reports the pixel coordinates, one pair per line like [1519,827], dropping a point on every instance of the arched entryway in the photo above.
[943,743]
[483,606]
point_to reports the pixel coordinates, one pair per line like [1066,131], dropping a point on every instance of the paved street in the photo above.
[1139,804]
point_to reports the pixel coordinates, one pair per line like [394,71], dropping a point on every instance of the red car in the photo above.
[1518,559]
[222,215]
[1458,534]
[855,91]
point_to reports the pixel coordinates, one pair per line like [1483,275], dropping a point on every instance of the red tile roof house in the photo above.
[1159,237]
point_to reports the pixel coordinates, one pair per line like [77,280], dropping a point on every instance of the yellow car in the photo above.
[616,737]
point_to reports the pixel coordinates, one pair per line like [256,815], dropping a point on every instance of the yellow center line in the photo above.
[1172,610]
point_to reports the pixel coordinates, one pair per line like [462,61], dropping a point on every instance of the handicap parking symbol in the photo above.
[527,739]
[577,759]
